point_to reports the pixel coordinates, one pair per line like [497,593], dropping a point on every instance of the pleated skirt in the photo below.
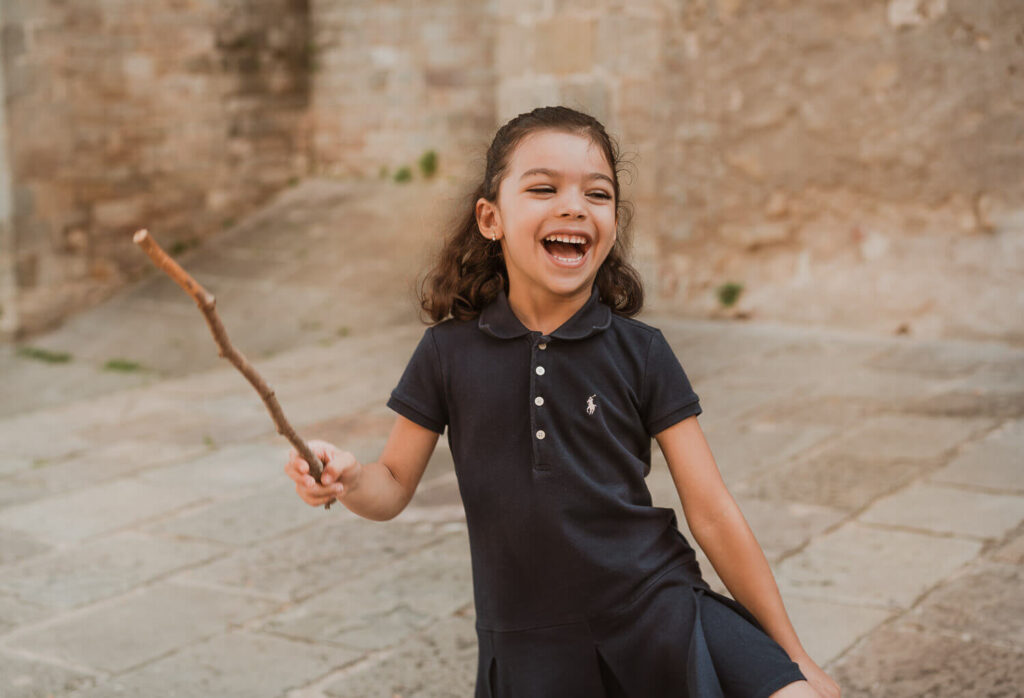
[676,639]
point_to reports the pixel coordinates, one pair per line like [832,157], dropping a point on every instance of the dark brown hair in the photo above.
[470,270]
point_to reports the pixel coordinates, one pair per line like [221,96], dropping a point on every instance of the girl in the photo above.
[551,394]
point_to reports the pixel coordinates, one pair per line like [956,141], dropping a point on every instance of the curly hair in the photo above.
[469,271]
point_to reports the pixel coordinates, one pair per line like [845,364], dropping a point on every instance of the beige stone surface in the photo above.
[945,509]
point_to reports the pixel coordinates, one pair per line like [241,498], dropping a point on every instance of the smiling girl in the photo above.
[551,393]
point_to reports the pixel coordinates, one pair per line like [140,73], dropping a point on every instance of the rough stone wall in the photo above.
[827,148]
[805,139]
[603,57]
[394,79]
[174,114]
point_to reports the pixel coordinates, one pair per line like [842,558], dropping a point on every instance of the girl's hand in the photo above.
[819,680]
[340,476]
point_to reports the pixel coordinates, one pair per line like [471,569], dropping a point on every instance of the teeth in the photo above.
[575,239]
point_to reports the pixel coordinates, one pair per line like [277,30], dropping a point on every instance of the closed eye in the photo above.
[548,190]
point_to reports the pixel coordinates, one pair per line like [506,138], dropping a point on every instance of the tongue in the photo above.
[565,249]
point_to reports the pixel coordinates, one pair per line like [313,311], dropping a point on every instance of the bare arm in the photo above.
[378,490]
[721,531]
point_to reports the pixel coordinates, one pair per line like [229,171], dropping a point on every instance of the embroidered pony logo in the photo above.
[590,404]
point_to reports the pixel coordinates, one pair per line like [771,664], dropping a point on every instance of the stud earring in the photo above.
[494,236]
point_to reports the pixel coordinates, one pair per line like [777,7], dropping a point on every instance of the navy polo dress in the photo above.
[581,586]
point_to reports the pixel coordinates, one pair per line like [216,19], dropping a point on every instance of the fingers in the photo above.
[337,466]
[330,486]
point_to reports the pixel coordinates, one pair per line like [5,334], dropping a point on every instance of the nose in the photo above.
[571,207]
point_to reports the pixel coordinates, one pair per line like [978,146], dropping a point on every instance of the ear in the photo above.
[488,219]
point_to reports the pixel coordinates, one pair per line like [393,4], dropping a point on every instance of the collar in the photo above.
[498,320]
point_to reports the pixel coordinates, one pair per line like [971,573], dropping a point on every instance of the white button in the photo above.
[540,370]
[542,347]
[538,401]
[540,434]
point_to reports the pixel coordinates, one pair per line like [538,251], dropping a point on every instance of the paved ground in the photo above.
[150,544]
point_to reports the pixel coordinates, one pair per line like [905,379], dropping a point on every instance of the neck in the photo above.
[543,312]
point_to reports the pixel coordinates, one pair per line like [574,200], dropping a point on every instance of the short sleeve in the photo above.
[667,395]
[419,395]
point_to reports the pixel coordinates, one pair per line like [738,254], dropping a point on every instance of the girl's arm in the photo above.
[723,534]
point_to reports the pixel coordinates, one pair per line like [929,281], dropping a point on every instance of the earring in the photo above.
[494,236]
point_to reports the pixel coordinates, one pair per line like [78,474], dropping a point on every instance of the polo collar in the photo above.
[498,320]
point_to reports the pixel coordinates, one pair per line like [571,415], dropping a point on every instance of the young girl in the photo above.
[551,394]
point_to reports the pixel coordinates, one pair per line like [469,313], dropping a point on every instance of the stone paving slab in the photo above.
[881,567]
[15,612]
[96,465]
[335,552]
[995,462]
[243,520]
[439,661]
[384,605]
[828,629]
[99,509]
[908,664]
[28,678]
[139,626]
[832,479]
[237,664]
[948,509]
[101,568]
[982,601]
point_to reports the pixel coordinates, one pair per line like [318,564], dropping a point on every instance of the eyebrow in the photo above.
[552,173]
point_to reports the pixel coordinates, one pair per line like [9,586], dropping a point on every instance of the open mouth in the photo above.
[567,250]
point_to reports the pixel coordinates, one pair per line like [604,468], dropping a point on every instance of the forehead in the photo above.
[557,150]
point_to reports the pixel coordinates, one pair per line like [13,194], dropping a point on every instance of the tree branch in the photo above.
[206,303]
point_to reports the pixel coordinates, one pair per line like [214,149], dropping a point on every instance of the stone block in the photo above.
[16,545]
[981,602]
[1011,550]
[28,678]
[339,551]
[564,45]
[996,461]
[247,519]
[831,480]
[441,660]
[893,663]
[859,564]
[630,45]
[589,95]
[948,509]
[102,568]
[388,603]
[892,436]
[827,629]
[139,627]
[14,612]
[226,471]
[93,510]
[237,664]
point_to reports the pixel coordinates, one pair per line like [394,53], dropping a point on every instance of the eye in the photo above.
[601,194]
[542,190]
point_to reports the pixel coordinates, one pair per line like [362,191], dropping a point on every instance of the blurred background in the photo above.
[829,221]
[831,162]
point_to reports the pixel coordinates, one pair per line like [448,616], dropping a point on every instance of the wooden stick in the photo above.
[207,303]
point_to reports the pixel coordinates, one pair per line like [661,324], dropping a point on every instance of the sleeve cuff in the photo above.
[679,414]
[414,415]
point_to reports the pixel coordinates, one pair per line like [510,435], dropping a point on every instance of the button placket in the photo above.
[536,417]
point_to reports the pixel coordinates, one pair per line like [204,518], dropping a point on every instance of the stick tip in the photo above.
[140,235]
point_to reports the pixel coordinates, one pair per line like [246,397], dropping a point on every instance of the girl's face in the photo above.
[555,216]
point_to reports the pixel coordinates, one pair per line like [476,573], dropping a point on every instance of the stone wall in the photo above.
[804,131]
[395,79]
[792,147]
[179,115]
